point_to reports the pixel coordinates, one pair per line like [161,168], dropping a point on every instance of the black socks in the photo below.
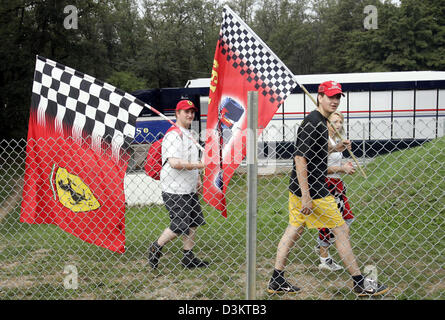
[358,280]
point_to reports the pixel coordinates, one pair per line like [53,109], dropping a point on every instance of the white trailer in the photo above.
[377,106]
[384,112]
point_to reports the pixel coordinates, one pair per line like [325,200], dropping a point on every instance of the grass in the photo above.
[399,228]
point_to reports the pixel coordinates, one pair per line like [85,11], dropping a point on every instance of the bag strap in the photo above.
[172,128]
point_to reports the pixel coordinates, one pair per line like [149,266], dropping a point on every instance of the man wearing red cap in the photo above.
[180,182]
[310,202]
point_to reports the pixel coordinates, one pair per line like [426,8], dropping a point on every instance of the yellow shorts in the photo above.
[325,213]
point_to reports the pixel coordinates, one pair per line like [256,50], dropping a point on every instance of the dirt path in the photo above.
[12,201]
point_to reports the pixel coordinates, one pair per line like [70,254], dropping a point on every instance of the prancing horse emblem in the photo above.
[73,193]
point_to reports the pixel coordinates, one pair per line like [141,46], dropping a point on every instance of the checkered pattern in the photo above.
[84,104]
[340,203]
[253,56]
[338,189]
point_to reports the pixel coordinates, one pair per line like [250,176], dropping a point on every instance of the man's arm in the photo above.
[181,164]
[301,170]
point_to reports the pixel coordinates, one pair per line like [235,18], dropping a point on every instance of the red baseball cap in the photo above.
[330,88]
[185,105]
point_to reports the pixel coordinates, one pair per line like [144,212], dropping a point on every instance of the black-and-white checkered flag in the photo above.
[255,58]
[73,102]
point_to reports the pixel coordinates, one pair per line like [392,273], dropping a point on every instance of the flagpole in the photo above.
[336,131]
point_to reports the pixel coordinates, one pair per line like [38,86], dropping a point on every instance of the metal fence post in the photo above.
[252,170]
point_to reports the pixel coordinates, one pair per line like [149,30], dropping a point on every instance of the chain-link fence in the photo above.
[397,236]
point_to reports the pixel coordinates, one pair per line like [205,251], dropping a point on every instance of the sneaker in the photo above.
[154,254]
[330,265]
[190,262]
[370,288]
[285,287]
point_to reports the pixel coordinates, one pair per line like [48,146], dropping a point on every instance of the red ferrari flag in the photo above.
[242,63]
[77,151]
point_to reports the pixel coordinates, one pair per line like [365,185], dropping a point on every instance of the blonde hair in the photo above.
[342,117]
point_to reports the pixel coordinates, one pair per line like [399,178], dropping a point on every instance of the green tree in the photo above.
[409,37]
[181,40]
[30,28]
[283,25]
[245,9]
[126,80]
[101,45]
[333,22]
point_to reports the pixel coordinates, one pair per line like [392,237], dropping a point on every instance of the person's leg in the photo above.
[166,236]
[189,239]
[324,252]
[325,238]
[278,283]
[155,250]
[329,214]
[189,260]
[362,286]
[171,202]
[323,242]
[345,250]
[194,219]
[290,236]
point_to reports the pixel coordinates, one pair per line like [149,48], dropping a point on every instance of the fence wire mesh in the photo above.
[397,236]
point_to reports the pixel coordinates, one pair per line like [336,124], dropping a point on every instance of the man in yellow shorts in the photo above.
[310,202]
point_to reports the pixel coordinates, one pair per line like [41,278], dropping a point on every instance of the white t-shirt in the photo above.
[334,159]
[176,146]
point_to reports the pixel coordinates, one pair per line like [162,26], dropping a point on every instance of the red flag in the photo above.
[242,63]
[74,175]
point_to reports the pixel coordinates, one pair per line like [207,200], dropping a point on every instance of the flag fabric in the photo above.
[79,132]
[242,63]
